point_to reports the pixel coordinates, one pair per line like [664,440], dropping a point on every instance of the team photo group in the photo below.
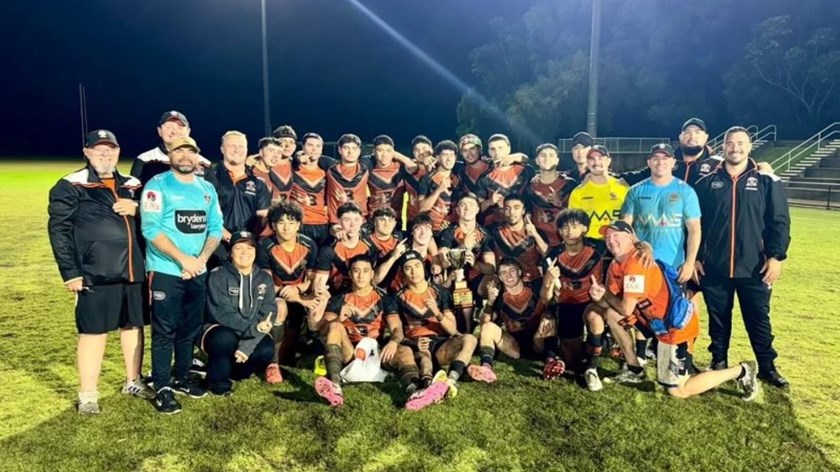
[424,269]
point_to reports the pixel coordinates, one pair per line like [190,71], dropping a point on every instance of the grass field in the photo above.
[521,423]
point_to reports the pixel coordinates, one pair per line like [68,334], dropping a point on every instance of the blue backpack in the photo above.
[680,308]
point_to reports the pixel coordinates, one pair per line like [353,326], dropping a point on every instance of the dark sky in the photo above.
[332,70]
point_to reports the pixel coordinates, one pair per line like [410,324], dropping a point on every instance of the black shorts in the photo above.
[318,233]
[570,320]
[104,308]
[525,340]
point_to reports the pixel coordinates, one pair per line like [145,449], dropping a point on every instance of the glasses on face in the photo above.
[104,150]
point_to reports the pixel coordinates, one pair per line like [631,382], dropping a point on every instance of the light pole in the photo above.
[594,58]
[266,101]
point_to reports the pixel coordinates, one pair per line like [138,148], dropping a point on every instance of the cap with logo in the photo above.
[618,225]
[174,115]
[100,136]
[186,141]
[583,138]
[410,256]
[469,140]
[694,121]
[242,237]
[599,149]
[662,147]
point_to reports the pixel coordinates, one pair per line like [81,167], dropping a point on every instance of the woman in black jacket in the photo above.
[240,314]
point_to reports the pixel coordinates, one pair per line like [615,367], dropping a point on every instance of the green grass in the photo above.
[521,423]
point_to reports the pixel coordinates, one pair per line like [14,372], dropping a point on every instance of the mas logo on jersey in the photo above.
[634,283]
[152,201]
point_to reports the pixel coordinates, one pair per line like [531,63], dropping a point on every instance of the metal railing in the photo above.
[812,144]
[716,143]
[618,145]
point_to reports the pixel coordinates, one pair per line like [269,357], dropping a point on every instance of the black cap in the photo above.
[174,115]
[618,225]
[242,237]
[662,147]
[582,138]
[694,121]
[411,256]
[600,149]
[100,136]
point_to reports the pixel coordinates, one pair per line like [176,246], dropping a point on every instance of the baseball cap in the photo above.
[411,256]
[100,136]
[599,149]
[186,141]
[242,237]
[618,225]
[174,115]
[582,138]
[694,121]
[469,140]
[662,147]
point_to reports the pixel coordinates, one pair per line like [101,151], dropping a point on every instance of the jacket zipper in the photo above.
[732,227]
[128,233]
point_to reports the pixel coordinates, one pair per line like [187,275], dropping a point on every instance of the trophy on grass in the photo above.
[462,295]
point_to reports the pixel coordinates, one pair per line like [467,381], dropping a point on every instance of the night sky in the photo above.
[332,70]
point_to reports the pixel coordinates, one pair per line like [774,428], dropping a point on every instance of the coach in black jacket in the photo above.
[240,313]
[746,234]
[92,232]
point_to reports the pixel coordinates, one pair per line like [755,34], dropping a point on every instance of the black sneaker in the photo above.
[190,389]
[166,403]
[719,365]
[773,377]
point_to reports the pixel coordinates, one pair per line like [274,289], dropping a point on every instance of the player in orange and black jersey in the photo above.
[548,192]
[347,181]
[388,170]
[290,259]
[518,238]
[420,239]
[565,289]
[269,156]
[507,177]
[313,147]
[518,330]
[440,188]
[384,235]
[474,165]
[281,174]
[421,150]
[429,323]
[331,269]
[362,312]
[479,258]
[309,188]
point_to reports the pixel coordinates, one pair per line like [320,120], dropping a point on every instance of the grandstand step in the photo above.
[816,195]
[826,172]
[817,180]
[812,184]
[831,162]
[822,204]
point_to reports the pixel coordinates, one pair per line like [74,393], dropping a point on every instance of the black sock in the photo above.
[641,346]
[333,360]
[742,374]
[593,350]
[551,346]
[486,354]
[276,334]
[456,368]
[636,369]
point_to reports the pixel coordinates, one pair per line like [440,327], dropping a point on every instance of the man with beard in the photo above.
[243,197]
[548,192]
[746,234]
[388,170]
[171,126]
[183,224]
[440,188]
[507,177]
[600,195]
[92,233]
[519,239]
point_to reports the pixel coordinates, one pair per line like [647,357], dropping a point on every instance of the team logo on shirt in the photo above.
[634,283]
[673,197]
[207,198]
[752,183]
[613,196]
[191,221]
[717,185]
[152,201]
[250,187]
[705,167]
[261,289]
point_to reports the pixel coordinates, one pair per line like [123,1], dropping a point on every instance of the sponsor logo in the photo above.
[233,291]
[152,202]
[717,185]
[673,197]
[158,296]
[613,196]
[191,221]
[634,283]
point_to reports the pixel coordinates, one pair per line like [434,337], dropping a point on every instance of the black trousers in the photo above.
[754,300]
[177,314]
[220,343]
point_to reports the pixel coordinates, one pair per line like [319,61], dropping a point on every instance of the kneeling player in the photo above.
[426,312]
[353,316]
[518,308]
[640,296]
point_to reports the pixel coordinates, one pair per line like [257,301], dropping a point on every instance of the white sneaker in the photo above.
[139,389]
[593,382]
[628,377]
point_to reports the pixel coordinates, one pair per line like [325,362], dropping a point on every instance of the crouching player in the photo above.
[353,316]
[640,296]
[426,311]
[566,287]
[519,328]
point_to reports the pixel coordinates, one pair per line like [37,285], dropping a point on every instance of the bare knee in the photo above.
[678,392]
